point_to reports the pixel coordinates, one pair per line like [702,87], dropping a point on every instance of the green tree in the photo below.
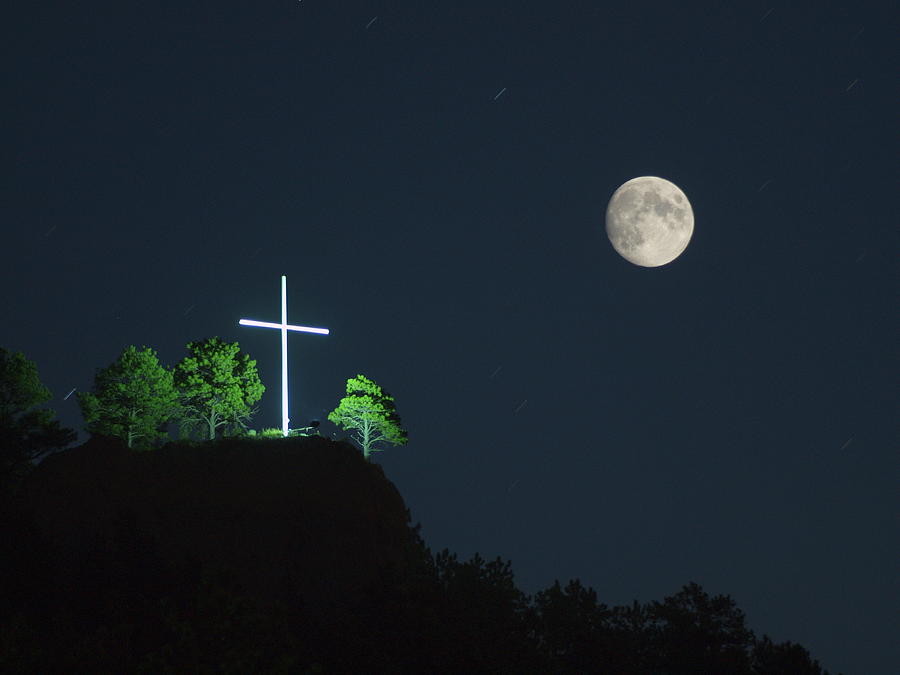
[218,386]
[369,411]
[27,432]
[132,399]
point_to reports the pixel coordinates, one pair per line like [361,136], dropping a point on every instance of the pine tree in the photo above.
[27,432]
[369,411]
[133,398]
[218,386]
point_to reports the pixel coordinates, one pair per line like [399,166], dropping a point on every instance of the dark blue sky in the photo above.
[728,418]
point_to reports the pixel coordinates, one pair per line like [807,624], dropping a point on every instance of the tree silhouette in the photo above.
[481,623]
[573,627]
[631,636]
[218,386]
[27,432]
[695,633]
[369,411]
[786,658]
[132,399]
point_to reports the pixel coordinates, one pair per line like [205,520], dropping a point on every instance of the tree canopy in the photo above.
[132,399]
[369,412]
[26,431]
[218,386]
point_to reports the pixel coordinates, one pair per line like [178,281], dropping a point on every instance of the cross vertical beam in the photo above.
[285,420]
[284,327]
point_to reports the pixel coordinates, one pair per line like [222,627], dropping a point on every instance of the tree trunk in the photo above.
[367,434]
[129,432]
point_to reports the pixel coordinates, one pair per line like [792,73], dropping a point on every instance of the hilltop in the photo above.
[296,556]
[127,546]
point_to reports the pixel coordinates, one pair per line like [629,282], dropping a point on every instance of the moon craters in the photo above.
[649,221]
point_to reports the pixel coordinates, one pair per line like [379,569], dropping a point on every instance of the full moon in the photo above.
[649,221]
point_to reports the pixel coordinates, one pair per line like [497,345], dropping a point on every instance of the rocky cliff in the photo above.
[299,520]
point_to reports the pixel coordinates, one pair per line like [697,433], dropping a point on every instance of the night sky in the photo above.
[433,179]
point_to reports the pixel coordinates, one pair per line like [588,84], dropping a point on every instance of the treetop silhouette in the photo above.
[27,431]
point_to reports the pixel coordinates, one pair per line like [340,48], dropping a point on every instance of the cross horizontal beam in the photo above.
[267,324]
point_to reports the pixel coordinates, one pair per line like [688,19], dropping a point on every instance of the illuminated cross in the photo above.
[284,327]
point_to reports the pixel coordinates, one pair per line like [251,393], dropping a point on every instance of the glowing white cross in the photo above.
[284,327]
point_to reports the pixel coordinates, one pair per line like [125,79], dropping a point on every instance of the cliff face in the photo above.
[302,521]
[295,556]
